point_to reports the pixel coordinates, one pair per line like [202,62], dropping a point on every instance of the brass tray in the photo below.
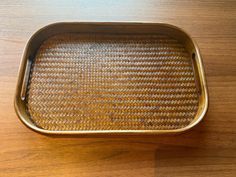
[127,78]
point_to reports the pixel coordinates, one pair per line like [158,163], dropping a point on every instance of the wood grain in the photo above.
[207,150]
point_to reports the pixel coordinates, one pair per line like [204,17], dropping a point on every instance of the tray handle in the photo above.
[196,74]
[26,78]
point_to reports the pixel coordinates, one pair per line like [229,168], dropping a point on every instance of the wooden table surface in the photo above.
[209,149]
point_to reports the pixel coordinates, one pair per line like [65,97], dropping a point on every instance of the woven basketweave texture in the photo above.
[112,82]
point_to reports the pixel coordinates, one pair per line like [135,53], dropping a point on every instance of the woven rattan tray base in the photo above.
[112,82]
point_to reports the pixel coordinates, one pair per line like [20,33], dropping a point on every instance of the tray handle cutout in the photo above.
[196,74]
[26,79]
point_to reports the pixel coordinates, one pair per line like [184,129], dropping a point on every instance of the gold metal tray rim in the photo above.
[19,107]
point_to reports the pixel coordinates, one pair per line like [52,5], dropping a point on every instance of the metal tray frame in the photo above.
[108,27]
